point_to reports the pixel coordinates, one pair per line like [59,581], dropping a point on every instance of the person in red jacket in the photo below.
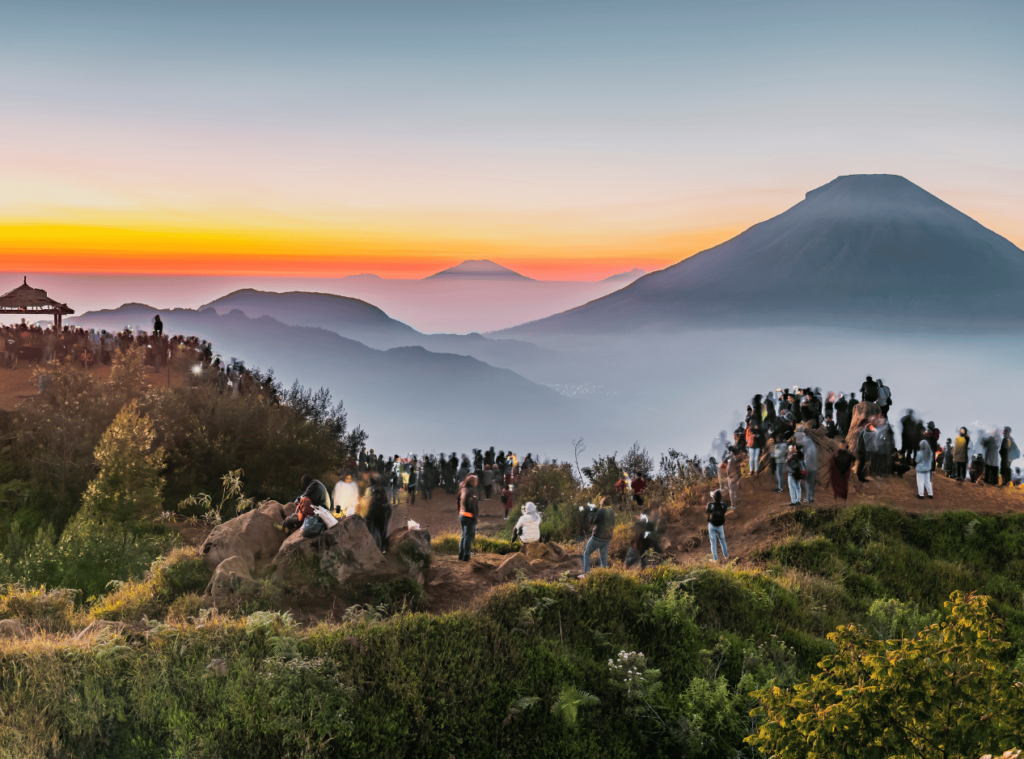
[620,488]
[639,484]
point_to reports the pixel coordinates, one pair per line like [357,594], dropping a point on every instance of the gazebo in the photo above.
[29,301]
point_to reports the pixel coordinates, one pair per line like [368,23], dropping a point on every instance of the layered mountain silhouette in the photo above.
[863,249]
[625,276]
[405,396]
[358,320]
[483,269]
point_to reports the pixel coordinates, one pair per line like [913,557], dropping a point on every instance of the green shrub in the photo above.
[180,572]
[51,610]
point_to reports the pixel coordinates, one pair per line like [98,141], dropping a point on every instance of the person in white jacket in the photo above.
[924,469]
[346,497]
[528,525]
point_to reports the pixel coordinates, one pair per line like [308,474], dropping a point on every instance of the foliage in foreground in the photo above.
[944,693]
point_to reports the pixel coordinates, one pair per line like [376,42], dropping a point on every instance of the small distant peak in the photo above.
[478,269]
[632,274]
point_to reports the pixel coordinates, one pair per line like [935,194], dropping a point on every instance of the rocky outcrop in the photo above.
[277,511]
[252,537]
[345,553]
[232,576]
[510,566]
[546,551]
[412,548]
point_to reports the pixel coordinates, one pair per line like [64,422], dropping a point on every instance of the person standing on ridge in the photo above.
[840,464]
[925,458]
[884,397]
[990,444]
[869,390]
[961,452]
[716,511]
[158,326]
[1007,452]
[603,521]
[469,511]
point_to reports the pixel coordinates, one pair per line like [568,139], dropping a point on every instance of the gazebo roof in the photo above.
[26,299]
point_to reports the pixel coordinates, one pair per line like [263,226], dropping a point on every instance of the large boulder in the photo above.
[510,566]
[544,551]
[230,577]
[346,553]
[412,548]
[253,537]
[277,511]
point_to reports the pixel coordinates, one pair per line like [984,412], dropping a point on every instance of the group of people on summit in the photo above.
[778,428]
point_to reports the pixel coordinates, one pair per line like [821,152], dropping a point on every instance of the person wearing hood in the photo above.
[1007,453]
[528,526]
[990,444]
[924,469]
[961,452]
[842,420]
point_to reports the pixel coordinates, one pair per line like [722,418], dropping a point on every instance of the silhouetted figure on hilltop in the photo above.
[869,390]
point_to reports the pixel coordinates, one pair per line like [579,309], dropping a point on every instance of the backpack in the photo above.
[312,526]
[504,498]
[716,515]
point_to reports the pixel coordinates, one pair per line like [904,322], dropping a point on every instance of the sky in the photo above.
[565,140]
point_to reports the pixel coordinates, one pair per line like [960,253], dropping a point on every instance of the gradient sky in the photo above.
[566,140]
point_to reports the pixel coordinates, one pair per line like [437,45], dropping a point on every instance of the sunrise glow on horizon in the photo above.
[566,142]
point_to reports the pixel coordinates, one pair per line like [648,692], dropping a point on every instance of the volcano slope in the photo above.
[863,250]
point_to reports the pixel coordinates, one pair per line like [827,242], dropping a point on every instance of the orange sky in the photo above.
[388,252]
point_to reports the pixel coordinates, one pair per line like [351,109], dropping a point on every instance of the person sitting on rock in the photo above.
[977,469]
[314,494]
[346,497]
[528,526]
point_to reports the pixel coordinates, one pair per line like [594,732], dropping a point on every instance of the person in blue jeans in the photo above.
[794,465]
[780,465]
[603,521]
[469,510]
[716,526]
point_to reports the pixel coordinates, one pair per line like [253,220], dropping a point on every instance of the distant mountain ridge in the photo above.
[861,249]
[479,269]
[401,395]
[358,320]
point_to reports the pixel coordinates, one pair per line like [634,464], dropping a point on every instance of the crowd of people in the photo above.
[777,437]
[776,431]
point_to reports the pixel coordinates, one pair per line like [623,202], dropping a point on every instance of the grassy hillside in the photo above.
[659,663]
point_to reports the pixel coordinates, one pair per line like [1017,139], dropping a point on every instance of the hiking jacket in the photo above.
[924,456]
[960,449]
[604,524]
[529,523]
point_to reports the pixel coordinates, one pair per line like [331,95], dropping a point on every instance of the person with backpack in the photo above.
[603,527]
[797,472]
[528,527]
[869,390]
[925,458]
[716,511]
[884,397]
[314,495]
[469,511]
